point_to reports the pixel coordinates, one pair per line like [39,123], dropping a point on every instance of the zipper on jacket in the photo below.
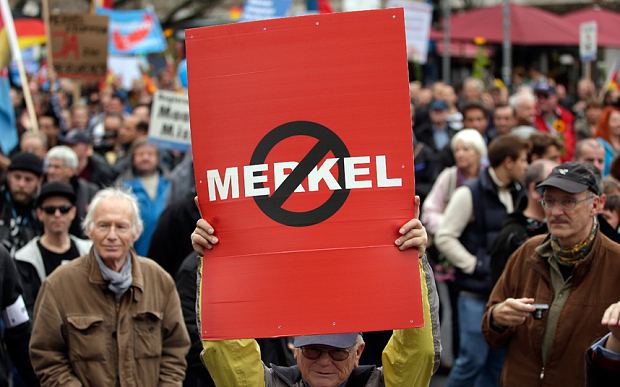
[542,374]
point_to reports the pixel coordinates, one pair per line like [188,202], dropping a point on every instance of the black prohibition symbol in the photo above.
[328,141]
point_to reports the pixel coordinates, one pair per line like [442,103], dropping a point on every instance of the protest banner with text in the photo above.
[169,128]
[302,145]
[79,45]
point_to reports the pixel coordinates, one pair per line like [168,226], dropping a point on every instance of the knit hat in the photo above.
[25,161]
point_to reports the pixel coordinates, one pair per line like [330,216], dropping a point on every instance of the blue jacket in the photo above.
[150,210]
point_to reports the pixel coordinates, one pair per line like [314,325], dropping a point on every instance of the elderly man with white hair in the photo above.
[109,318]
[61,164]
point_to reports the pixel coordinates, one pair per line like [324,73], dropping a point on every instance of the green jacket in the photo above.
[409,359]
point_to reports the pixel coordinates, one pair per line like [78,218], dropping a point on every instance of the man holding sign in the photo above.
[409,359]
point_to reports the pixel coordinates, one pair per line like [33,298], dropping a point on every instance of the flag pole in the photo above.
[608,80]
[51,74]
[17,56]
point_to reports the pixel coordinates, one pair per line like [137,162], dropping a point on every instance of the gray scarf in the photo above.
[119,282]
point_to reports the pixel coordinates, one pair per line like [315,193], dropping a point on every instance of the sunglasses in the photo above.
[51,210]
[313,353]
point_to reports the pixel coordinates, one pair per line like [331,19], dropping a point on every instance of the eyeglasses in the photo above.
[565,203]
[51,210]
[314,353]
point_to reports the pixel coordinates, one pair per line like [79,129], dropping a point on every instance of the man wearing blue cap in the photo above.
[434,136]
[553,118]
[409,359]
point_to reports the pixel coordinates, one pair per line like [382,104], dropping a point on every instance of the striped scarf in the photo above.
[572,255]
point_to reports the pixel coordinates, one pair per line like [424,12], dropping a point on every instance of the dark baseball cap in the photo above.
[56,188]
[438,104]
[74,137]
[572,177]
[339,340]
[544,88]
[25,161]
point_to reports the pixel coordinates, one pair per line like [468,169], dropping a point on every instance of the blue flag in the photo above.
[264,9]
[8,132]
[134,32]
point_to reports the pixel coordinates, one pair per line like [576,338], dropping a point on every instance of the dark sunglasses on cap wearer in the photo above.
[51,210]
[311,352]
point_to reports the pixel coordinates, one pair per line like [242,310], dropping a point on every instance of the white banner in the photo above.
[588,41]
[418,17]
[169,127]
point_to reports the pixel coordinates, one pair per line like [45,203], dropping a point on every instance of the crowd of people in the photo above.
[519,194]
[520,205]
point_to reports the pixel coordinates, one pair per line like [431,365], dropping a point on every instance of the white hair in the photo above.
[516,99]
[116,193]
[64,153]
[471,138]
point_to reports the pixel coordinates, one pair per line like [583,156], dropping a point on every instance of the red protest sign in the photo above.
[301,135]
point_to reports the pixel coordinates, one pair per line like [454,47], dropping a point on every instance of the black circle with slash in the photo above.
[327,141]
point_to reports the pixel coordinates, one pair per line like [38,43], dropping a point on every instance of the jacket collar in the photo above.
[291,375]
[95,276]
[538,261]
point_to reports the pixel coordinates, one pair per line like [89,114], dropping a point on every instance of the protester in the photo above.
[573,270]
[586,126]
[39,257]
[472,219]
[432,137]
[524,105]
[545,146]
[593,152]
[34,143]
[331,360]
[526,221]
[49,125]
[554,119]
[475,117]
[608,134]
[469,149]
[18,218]
[504,119]
[110,315]
[611,211]
[149,182]
[92,167]
[79,117]
[17,325]
[61,165]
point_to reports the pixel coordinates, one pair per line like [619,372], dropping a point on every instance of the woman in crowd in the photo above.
[608,134]
[469,148]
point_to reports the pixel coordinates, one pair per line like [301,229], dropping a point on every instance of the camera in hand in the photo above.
[539,310]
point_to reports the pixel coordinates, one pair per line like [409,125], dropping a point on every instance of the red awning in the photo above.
[529,26]
[607,24]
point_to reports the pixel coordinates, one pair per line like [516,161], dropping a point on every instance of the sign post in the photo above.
[302,145]
[588,45]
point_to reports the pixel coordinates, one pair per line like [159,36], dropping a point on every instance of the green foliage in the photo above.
[480,63]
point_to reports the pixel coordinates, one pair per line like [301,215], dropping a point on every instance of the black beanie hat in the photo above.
[28,162]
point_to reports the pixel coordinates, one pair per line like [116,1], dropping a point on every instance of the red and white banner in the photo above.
[302,145]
